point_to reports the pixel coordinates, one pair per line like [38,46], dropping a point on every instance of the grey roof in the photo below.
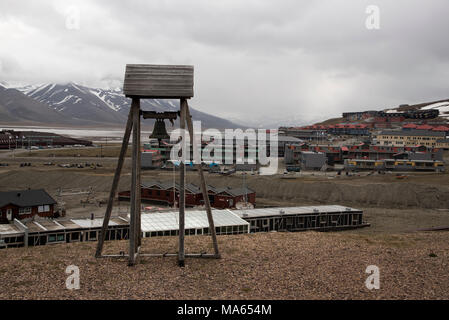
[26,198]
[196,189]
[282,138]
[195,219]
[285,211]
[311,152]
[165,185]
[233,191]
[426,133]
[9,230]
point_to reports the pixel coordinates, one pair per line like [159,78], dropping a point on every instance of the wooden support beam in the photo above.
[135,185]
[118,170]
[203,181]
[182,192]
[162,255]
[138,196]
[187,255]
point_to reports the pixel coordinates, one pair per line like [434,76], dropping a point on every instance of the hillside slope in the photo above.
[302,265]
[17,107]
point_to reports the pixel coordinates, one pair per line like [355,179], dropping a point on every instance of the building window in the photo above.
[26,210]
[45,208]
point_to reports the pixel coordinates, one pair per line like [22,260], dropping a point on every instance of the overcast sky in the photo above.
[254,60]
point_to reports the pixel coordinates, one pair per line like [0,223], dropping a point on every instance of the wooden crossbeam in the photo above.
[162,255]
[170,115]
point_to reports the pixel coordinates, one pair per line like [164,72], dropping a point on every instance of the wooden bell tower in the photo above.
[155,82]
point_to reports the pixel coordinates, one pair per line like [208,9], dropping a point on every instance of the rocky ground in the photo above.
[305,265]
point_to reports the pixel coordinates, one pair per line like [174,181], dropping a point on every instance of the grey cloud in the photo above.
[301,59]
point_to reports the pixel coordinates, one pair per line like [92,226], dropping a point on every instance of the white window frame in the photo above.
[26,210]
[44,208]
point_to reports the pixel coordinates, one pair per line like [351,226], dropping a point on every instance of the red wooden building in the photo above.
[166,193]
[25,204]
[226,197]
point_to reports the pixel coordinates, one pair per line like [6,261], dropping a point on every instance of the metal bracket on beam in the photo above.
[170,115]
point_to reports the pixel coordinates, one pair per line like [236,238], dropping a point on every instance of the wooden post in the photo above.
[138,182]
[182,203]
[138,197]
[118,170]
[203,183]
[135,184]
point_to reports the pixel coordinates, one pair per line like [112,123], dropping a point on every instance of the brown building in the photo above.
[25,204]
[166,193]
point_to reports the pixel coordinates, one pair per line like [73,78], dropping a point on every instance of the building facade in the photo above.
[443,144]
[411,137]
[25,204]
[219,197]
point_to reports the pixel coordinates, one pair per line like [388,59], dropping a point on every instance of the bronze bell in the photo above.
[159,130]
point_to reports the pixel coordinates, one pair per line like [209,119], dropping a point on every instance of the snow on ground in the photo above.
[443,107]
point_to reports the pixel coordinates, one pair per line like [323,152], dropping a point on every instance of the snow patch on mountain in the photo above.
[102,96]
[443,108]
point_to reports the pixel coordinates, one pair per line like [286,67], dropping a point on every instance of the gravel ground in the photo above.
[304,265]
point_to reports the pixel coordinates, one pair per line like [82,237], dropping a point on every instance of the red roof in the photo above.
[441,128]
[424,127]
[409,126]
[344,149]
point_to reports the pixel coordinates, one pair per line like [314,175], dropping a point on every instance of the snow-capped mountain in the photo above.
[82,105]
[78,102]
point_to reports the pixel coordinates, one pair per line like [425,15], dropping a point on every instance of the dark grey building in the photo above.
[309,160]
